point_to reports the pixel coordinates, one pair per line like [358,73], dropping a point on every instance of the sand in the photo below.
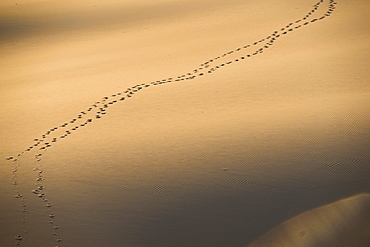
[215,160]
[342,223]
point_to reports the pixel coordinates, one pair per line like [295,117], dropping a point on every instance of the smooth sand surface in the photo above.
[342,223]
[217,160]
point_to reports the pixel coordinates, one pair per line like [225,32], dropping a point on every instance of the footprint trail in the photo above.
[99,109]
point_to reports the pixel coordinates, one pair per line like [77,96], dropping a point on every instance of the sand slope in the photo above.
[216,160]
[342,223]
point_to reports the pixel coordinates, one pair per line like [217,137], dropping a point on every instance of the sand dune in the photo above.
[342,223]
[178,123]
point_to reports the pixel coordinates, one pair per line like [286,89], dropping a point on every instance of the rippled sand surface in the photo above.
[216,157]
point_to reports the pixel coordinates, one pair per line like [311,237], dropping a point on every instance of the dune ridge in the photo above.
[341,223]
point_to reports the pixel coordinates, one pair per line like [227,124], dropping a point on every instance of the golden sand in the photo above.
[215,160]
[342,223]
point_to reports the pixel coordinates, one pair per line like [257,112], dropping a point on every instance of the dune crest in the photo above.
[342,223]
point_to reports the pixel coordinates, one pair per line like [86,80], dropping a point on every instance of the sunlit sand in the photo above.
[342,223]
[179,123]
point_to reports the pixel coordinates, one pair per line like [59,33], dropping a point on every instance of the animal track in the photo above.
[99,109]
